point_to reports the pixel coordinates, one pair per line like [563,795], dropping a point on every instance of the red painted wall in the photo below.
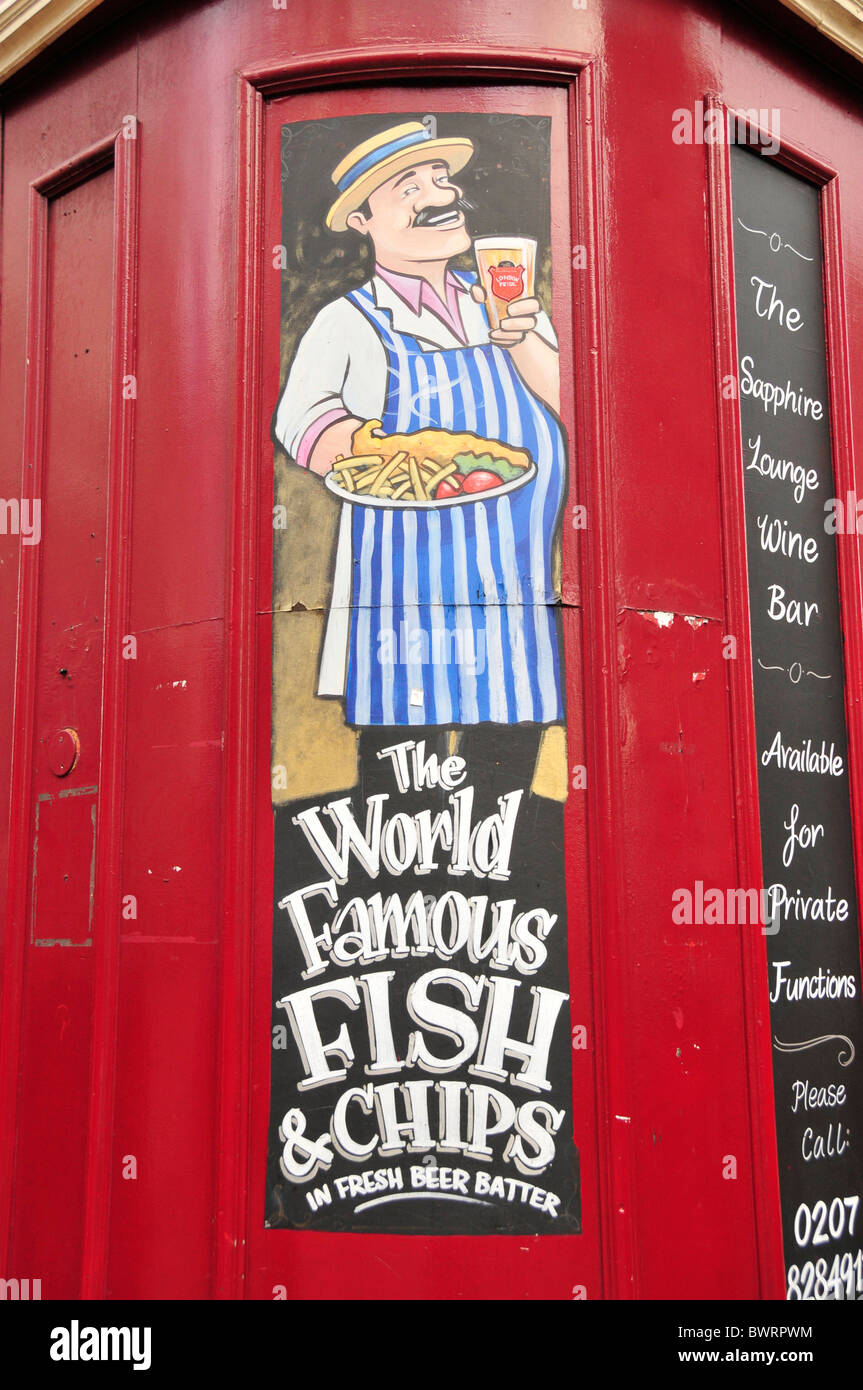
[144,1044]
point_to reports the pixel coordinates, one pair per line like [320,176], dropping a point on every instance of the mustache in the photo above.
[425,215]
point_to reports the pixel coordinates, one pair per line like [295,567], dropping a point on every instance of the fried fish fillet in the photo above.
[438,446]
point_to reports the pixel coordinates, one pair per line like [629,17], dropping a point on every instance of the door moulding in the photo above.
[237,1190]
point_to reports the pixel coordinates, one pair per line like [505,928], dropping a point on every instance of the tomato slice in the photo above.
[481,480]
[449,487]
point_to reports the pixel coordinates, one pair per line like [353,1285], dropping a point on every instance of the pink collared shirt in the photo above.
[417,293]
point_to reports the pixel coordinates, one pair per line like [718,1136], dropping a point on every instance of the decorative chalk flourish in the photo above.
[794,672]
[775,240]
[813,1042]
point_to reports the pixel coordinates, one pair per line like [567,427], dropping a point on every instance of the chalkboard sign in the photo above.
[798,676]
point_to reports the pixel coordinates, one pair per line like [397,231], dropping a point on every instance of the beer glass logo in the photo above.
[507,280]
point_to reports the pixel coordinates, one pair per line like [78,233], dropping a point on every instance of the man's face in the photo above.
[414,217]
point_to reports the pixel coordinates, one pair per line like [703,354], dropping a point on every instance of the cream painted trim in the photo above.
[27,27]
[838,20]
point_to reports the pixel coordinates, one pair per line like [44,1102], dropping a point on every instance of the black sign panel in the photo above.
[422,1077]
[792,517]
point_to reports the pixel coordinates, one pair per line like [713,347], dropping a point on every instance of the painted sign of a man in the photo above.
[440,616]
[427,971]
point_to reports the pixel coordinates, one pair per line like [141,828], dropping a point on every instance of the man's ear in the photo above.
[358,222]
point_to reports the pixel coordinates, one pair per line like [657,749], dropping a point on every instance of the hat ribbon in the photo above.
[377,156]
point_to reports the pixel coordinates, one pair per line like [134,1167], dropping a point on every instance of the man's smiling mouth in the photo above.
[439,217]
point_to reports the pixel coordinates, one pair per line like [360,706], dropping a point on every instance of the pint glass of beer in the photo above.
[506,271]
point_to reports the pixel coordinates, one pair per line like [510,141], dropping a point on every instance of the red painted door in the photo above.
[62,801]
[141,209]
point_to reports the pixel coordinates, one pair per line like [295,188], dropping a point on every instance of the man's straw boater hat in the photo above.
[382,157]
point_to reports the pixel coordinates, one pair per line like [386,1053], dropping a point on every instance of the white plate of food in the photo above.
[427,468]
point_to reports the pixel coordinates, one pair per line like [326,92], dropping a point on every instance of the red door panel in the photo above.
[58,972]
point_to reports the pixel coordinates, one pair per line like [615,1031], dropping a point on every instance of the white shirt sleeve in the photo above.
[544,328]
[340,364]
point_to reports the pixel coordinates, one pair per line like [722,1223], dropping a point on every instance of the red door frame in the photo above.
[248,703]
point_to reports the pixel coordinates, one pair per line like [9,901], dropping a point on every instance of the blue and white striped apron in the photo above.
[453,609]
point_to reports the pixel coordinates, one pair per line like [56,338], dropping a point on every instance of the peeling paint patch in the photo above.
[679,747]
[698,676]
[64,868]
[661,619]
